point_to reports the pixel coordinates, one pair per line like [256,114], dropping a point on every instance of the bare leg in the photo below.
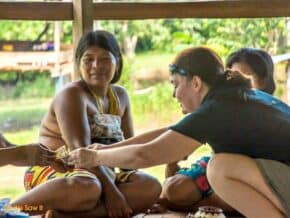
[238,181]
[141,192]
[65,194]
[181,193]
[181,190]
[141,186]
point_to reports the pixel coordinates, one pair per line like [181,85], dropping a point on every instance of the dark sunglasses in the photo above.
[173,68]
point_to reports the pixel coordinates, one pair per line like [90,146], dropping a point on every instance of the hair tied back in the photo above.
[229,74]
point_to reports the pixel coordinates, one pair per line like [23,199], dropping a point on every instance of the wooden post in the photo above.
[82,22]
[57,30]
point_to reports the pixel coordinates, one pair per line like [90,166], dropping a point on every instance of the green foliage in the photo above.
[227,34]
[41,87]
[126,78]
[19,30]
[6,77]
[30,30]
[24,136]
[280,90]
[11,192]
[151,60]
[156,104]
[26,85]
[67,32]
[171,35]
[28,113]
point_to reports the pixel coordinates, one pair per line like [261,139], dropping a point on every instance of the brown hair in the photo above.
[105,40]
[261,64]
[205,63]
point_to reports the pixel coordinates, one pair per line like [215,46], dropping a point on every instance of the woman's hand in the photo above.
[116,204]
[84,158]
[38,154]
[61,167]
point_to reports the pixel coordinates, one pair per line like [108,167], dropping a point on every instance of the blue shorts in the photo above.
[197,172]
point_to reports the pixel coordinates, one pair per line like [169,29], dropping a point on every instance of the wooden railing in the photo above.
[127,11]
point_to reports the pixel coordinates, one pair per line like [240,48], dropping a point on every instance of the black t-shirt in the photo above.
[244,121]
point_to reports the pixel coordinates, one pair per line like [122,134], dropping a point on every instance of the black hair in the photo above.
[261,64]
[206,64]
[104,40]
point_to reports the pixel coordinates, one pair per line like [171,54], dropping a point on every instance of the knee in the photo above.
[86,191]
[154,186]
[151,184]
[172,188]
[217,168]
[180,189]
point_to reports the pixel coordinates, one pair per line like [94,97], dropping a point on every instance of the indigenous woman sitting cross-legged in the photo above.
[91,110]
[248,130]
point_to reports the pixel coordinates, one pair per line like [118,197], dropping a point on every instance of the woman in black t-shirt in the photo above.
[248,129]
[187,188]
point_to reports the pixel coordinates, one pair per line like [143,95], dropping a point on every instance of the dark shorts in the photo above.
[277,176]
[197,172]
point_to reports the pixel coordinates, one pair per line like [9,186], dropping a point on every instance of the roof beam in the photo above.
[36,11]
[198,9]
[152,10]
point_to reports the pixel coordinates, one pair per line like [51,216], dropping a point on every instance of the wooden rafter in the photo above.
[36,11]
[198,9]
[121,10]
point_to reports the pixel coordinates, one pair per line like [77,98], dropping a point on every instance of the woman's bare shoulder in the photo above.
[120,91]
[73,92]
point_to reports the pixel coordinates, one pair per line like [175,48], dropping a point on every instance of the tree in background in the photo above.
[171,35]
[225,35]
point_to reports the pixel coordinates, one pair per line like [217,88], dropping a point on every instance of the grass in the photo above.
[19,115]
[11,192]
[152,60]
[24,136]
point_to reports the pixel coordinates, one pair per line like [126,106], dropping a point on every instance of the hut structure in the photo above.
[83,12]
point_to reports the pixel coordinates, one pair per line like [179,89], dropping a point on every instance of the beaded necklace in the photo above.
[113,101]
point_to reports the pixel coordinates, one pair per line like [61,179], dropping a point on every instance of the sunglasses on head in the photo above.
[173,68]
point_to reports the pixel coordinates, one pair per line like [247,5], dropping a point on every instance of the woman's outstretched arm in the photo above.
[168,147]
[139,139]
[27,155]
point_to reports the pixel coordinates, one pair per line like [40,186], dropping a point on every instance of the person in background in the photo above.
[92,109]
[248,130]
[255,64]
